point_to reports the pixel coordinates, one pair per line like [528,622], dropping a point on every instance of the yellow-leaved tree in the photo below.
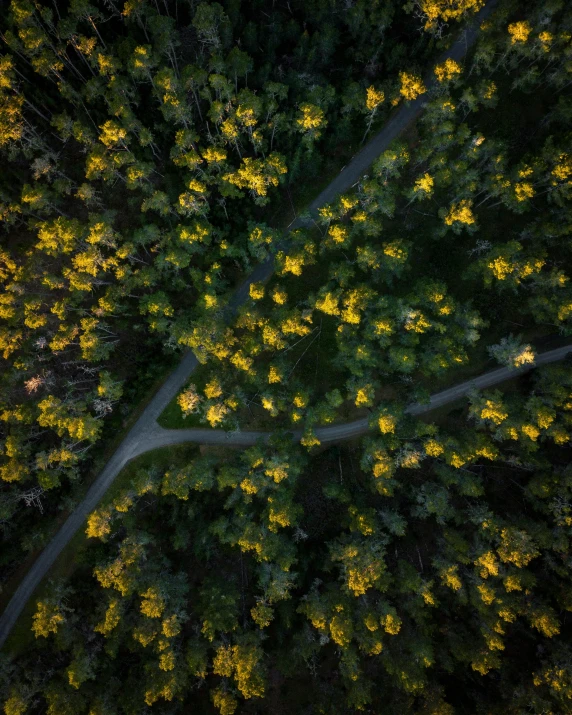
[310,123]
[258,175]
[374,98]
[436,13]
[411,85]
[48,618]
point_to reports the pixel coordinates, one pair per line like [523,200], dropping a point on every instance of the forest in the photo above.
[169,186]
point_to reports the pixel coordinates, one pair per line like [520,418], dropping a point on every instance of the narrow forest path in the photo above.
[146,433]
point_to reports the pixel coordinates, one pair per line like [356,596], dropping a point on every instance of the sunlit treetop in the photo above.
[311,117]
[460,214]
[411,86]
[424,185]
[512,353]
[436,12]
[258,175]
[374,98]
[447,70]
[519,32]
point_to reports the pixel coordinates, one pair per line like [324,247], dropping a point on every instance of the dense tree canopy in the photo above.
[139,142]
[155,152]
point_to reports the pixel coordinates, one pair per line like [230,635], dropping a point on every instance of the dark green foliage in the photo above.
[152,153]
[452,593]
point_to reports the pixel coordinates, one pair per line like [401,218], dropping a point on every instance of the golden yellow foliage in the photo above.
[427,596]
[274,375]
[355,302]
[269,403]
[171,626]
[493,411]
[416,322]
[213,389]
[525,357]
[519,31]
[240,661]
[167,660]
[189,400]
[461,212]
[512,583]
[258,175]
[225,703]
[229,129]
[396,250]
[433,448]
[241,361]
[488,564]
[348,202]
[262,614]
[523,190]
[278,517]
[371,623]
[15,705]
[273,337]
[300,399]
[248,486]
[374,98]
[450,577]
[531,431]
[493,640]
[424,184]
[563,169]
[410,459]
[456,460]
[338,233]
[278,472]
[123,502]
[546,622]
[153,604]
[293,325]
[383,466]
[216,414]
[391,623]
[46,619]
[447,70]
[516,547]
[546,38]
[328,304]
[111,619]
[364,396]
[279,296]
[341,630]
[309,439]
[99,524]
[311,117]
[411,85]
[387,423]
[112,134]
[293,264]
[214,154]
[383,326]
[447,10]
[256,291]
[246,115]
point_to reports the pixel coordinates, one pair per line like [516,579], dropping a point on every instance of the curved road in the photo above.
[164,437]
[146,434]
